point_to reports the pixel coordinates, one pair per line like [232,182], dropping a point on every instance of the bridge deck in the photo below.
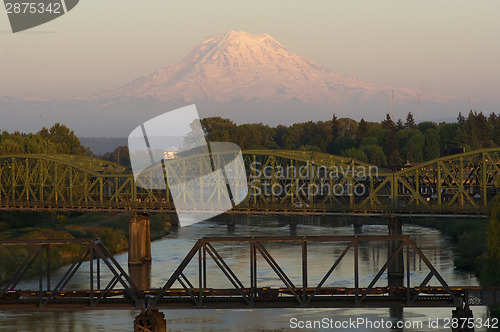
[327,297]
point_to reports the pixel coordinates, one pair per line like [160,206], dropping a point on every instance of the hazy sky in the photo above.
[435,46]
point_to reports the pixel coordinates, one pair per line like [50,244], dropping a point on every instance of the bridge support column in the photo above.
[396,313]
[231,224]
[358,228]
[150,320]
[396,267]
[396,270]
[233,219]
[293,227]
[139,239]
[462,313]
[140,275]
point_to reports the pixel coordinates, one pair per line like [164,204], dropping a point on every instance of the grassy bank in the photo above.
[111,228]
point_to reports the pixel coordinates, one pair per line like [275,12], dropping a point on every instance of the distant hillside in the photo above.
[101,145]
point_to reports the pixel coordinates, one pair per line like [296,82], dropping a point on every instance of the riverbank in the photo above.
[471,252]
[469,234]
[111,228]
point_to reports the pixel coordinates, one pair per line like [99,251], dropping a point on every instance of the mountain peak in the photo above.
[245,36]
[243,66]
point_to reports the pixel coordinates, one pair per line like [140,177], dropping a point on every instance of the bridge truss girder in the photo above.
[279,181]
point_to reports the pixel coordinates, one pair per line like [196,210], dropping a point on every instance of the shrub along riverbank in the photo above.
[469,234]
[111,228]
[478,244]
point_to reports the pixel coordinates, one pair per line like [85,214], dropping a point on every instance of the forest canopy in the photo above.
[58,139]
[384,143]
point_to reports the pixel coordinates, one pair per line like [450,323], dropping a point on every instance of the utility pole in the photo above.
[418,115]
[392,104]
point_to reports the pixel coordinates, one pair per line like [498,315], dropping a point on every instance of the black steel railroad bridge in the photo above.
[111,287]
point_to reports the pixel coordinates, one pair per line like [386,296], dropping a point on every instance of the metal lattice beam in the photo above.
[279,181]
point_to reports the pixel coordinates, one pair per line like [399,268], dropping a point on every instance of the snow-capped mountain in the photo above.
[248,78]
[255,67]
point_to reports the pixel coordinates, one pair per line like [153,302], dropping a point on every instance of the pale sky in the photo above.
[437,46]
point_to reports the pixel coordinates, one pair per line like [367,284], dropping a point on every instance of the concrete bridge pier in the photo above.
[232,220]
[231,225]
[283,220]
[150,320]
[358,228]
[139,239]
[462,313]
[396,312]
[140,275]
[293,221]
[396,268]
[293,227]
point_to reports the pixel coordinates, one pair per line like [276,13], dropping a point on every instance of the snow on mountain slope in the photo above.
[255,67]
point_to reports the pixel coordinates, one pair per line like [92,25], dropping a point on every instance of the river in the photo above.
[168,253]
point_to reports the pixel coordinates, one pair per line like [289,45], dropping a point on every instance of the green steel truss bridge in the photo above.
[280,182]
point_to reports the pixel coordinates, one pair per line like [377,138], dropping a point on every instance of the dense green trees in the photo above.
[431,148]
[120,155]
[384,143]
[57,139]
[476,131]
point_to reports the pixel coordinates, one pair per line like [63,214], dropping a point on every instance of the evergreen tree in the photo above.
[335,127]
[410,121]
[492,119]
[460,118]
[475,133]
[400,125]
[388,123]
[362,130]
[65,139]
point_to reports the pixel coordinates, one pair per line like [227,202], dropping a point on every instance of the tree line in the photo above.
[59,139]
[384,143]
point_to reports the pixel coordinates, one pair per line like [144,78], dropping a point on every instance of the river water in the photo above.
[170,251]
